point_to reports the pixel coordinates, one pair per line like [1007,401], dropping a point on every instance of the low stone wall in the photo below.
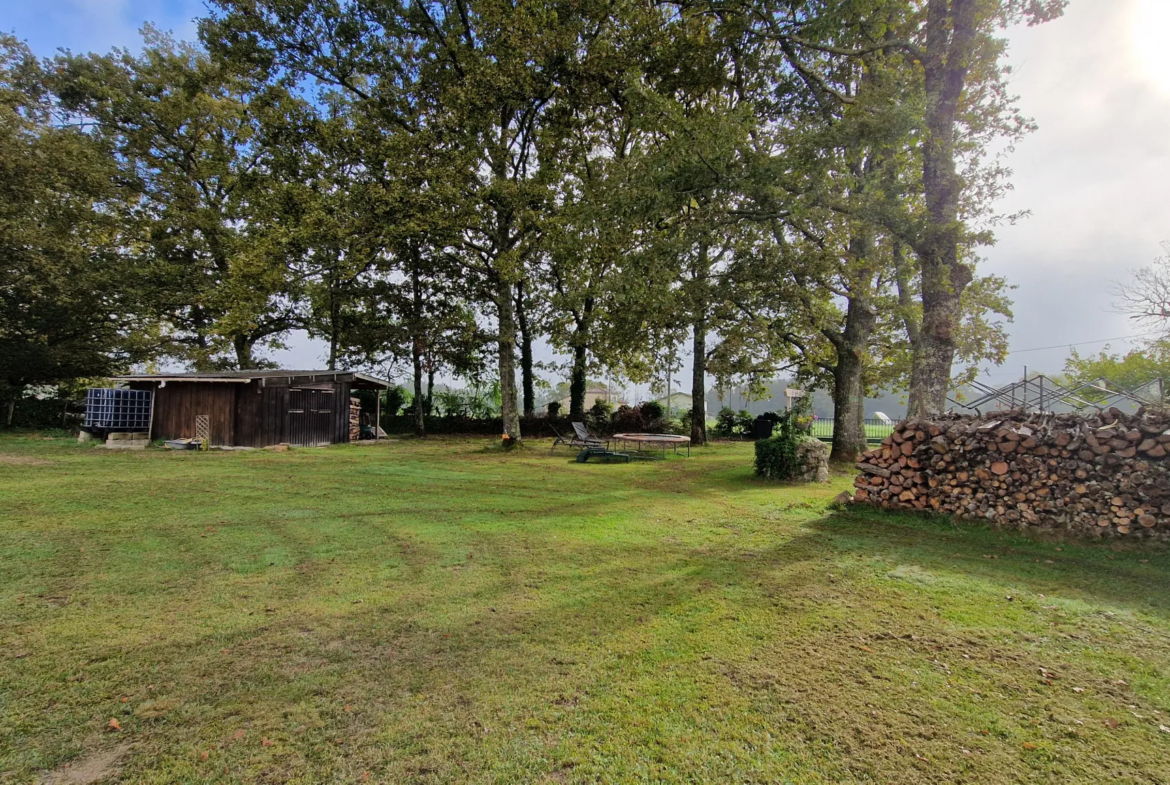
[1106,474]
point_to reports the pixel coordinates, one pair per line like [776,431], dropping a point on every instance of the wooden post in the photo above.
[377,415]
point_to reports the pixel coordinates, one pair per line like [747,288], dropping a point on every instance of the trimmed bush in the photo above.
[776,458]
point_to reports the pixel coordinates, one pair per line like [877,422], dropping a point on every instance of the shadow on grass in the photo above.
[1133,574]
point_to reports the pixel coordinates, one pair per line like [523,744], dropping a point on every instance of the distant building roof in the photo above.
[243,377]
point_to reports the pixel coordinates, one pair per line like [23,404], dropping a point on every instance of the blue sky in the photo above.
[1093,176]
[94,25]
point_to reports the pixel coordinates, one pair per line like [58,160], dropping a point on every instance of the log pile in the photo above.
[1103,474]
[355,419]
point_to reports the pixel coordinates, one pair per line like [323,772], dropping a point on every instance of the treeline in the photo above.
[787,186]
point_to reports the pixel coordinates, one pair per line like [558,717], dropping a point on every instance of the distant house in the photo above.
[593,395]
[679,402]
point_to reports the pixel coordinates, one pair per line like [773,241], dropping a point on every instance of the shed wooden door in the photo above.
[310,416]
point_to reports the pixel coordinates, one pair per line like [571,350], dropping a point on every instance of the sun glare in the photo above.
[1149,41]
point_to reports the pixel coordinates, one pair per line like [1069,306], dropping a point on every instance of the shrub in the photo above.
[554,409]
[627,419]
[598,416]
[776,457]
[398,398]
[730,424]
[652,410]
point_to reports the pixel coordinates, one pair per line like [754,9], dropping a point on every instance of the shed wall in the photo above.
[255,414]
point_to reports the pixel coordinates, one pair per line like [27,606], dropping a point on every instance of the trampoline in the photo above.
[653,442]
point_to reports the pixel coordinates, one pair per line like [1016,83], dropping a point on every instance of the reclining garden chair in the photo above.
[586,439]
[581,439]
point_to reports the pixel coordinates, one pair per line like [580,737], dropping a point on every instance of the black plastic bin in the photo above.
[762,428]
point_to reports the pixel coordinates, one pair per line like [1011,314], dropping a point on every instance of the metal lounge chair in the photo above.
[581,439]
[559,440]
[586,439]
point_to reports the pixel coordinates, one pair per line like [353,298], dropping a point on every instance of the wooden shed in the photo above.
[254,408]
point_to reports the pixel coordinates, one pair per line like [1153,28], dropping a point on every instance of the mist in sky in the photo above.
[1094,175]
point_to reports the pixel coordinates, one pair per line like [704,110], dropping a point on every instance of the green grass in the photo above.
[437,612]
[823,429]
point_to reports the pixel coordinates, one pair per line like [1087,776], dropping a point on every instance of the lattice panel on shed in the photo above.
[203,429]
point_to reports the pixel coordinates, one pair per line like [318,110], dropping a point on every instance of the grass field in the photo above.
[437,612]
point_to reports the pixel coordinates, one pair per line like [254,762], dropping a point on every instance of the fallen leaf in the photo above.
[238,734]
[347,707]
[1164,729]
[1111,723]
[1030,746]
[866,648]
[265,742]
[203,755]
[113,724]
[1078,689]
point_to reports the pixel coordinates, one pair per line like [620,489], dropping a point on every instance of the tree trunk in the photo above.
[333,319]
[699,383]
[430,390]
[850,345]
[506,342]
[701,275]
[848,406]
[950,42]
[577,384]
[526,379]
[11,409]
[421,404]
[243,346]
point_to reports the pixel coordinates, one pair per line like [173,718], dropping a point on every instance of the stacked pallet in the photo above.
[355,419]
[1106,473]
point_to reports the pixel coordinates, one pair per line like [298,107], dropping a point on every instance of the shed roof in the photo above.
[360,380]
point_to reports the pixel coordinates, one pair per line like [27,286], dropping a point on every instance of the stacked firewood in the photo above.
[355,419]
[1105,473]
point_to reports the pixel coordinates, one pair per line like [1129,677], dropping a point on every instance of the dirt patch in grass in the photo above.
[23,460]
[93,768]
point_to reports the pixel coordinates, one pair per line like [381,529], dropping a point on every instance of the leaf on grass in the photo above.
[1110,722]
[238,734]
[1030,746]
[866,648]
[266,742]
[113,724]
[203,755]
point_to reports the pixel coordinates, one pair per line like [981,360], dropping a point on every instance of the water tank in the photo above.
[114,410]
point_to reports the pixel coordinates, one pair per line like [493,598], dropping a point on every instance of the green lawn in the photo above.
[439,612]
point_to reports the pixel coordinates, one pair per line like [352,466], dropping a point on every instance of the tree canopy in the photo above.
[789,186]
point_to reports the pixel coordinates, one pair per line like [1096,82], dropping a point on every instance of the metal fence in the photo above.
[875,429]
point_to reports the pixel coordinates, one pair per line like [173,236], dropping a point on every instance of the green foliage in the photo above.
[554,409]
[598,416]
[730,424]
[1127,372]
[398,398]
[67,308]
[776,457]
[652,410]
[197,145]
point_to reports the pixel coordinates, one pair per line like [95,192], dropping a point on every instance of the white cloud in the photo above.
[1093,175]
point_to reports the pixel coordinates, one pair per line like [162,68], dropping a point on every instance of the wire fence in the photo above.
[875,429]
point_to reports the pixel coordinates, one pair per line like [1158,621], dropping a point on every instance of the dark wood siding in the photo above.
[177,405]
[256,414]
